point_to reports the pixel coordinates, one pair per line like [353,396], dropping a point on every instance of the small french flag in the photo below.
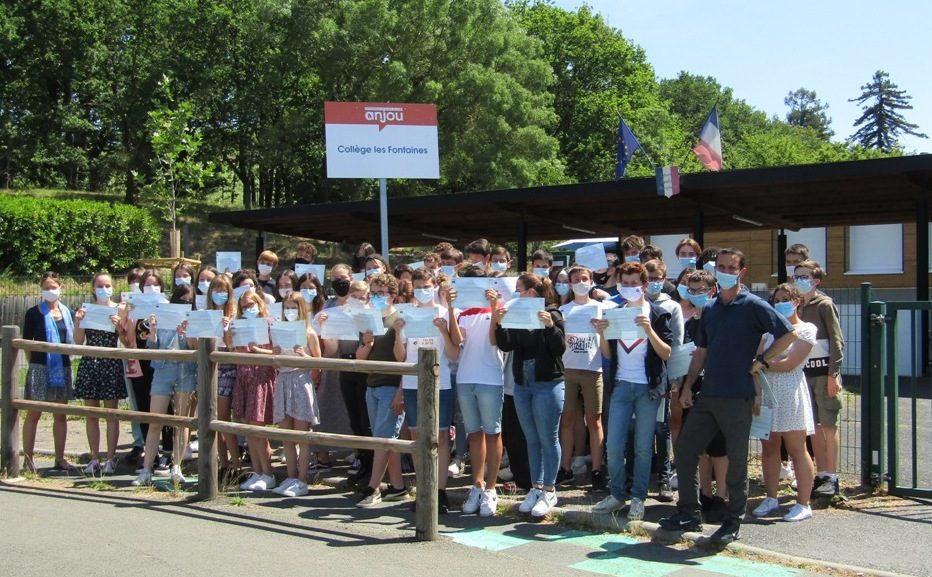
[668,181]
[709,149]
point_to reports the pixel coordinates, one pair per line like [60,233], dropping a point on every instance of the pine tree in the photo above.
[808,111]
[881,124]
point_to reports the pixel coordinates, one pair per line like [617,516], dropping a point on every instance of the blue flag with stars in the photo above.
[627,145]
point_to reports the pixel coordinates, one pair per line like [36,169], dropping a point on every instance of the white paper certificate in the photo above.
[230,262]
[470,292]
[339,325]
[592,257]
[240,291]
[317,270]
[170,316]
[419,322]
[247,331]
[98,317]
[275,311]
[289,334]
[579,320]
[678,364]
[200,302]
[522,314]
[205,324]
[368,320]
[621,324]
[506,286]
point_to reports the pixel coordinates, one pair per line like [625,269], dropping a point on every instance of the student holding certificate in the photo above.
[220,298]
[100,380]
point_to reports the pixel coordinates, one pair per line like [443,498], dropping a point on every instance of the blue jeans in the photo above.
[630,399]
[539,405]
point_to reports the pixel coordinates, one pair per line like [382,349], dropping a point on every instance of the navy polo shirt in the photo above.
[731,334]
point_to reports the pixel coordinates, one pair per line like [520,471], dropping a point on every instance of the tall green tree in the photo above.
[808,111]
[881,122]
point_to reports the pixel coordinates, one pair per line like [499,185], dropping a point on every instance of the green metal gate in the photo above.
[897,396]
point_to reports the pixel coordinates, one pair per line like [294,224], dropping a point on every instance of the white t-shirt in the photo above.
[632,357]
[412,345]
[582,349]
[480,363]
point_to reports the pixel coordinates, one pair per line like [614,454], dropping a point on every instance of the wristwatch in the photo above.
[761,360]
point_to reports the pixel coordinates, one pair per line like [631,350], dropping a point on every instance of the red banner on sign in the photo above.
[380,113]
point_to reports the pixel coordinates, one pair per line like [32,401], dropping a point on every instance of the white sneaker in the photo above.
[607,505]
[144,478]
[766,507]
[456,468]
[177,476]
[546,502]
[284,485]
[530,500]
[249,482]
[674,482]
[109,467]
[506,475]
[489,503]
[265,483]
[92,468]
[472,500]
[296,489]
[579,466]
[636,511]
[798,513]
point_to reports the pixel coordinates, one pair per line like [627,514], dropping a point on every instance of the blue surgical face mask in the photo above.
[424,295]
[541,271]
[251,313]
[785,308]
[709,267]
[370,272]
[103,294]
[448,270]
[654,287]
[562,288]
[182,280]
[309,295]
[203,287]
[683,291]
[633,258]
[804,285]
[687,261]
[699,301]
[499,266]
[725,280]
[219,299]
[379,302]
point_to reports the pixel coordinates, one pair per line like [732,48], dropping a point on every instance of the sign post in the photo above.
[381,140]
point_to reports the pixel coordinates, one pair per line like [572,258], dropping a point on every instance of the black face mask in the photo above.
[341,287]
[301,261]
[600,279]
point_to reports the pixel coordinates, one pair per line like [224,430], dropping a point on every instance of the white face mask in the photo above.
[448,270]
[152,289]
[134,287]
[265,269]
[290,314]
[203,287]
[103,293]
[51,295]
[581,288]
[631,293]
[499,266]
[542,272]
[182,280]
[285,292]
[790,272]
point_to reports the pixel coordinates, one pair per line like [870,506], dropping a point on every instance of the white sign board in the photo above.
[381,140]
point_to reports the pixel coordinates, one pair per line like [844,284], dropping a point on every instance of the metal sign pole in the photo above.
[383,216]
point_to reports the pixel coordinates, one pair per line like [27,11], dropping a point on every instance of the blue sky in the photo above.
[765,49]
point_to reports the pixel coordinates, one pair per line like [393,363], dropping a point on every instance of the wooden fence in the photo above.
[425,449]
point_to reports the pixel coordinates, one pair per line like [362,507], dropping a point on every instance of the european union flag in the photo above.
[627,145]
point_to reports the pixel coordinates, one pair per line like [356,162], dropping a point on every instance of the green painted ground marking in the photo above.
[605,542]
[742,567]
[612,564]
[488,540]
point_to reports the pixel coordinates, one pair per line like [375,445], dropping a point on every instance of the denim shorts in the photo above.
[445,416]
[385,423]
[481,406]
[174,378]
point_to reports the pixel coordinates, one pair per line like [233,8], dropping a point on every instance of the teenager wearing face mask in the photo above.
[707,259]
[49,375]
[100,380]
[220,298]
[312,291]
[477,253]
[582,363]
[182,274]
[500,260]
[794,255]
[359,257]
[687,253]
[265,266]
[542,265]
[631,247]
[451,261]
[286,284]
[375,264]
[173,387]
[253,395]
[305,253]
[295,405]
[204,276]
[247,277]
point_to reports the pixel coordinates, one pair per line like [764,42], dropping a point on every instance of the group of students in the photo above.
[536,394]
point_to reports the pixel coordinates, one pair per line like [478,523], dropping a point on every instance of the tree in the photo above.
[881,123]
[808,111]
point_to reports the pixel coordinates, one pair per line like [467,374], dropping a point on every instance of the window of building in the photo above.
[875,249]
[813,238]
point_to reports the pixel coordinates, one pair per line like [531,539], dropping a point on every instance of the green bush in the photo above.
[72,237]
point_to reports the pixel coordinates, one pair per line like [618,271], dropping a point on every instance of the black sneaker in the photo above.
[727,533]
[393,494]
[134,456]
[598,480]
[665,493]
[716,511]
[682,521]
[825,487]
[565,476]
[443,506]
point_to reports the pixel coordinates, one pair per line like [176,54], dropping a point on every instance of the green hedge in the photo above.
[72,237]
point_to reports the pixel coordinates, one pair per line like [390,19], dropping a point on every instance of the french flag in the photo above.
[709,149]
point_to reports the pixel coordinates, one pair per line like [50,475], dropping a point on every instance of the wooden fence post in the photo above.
[9,416]
[206,412]
[428,381]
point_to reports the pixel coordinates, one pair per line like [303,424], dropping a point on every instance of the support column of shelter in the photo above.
[922,275]
[522,245]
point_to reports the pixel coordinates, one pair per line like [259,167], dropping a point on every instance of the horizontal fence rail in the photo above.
[425,449]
